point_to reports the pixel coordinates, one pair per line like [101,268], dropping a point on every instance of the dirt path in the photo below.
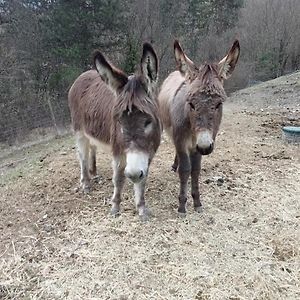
[59,244]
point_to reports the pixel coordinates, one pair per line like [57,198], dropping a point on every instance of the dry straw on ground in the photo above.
[59,244]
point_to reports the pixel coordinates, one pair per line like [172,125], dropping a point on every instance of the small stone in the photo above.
[74,255]
[210,221]
[208,180]
[172,291]
[219,180]
[48,228]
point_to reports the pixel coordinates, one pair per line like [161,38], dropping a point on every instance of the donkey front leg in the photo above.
[195,158]
[184,169]
[83,147]
[175,164]
[139,196]
[118,181]
[93,167]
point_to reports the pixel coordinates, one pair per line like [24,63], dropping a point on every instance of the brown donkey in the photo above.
[191,110]
[110,109]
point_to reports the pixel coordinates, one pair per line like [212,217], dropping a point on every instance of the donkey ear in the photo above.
[227,64]
[112,76]
[184,64]
[149,64]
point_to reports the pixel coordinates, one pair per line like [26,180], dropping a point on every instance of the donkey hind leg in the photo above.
[92,162]
[175,164]
[118,181]
[184,169]
[83,147]
[195,158]
[139,197]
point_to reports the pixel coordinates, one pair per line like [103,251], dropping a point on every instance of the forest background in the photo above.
[46,44]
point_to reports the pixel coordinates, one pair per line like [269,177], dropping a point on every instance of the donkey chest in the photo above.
[191,142]
[183,138]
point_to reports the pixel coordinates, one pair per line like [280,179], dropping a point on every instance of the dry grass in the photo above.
[59,244]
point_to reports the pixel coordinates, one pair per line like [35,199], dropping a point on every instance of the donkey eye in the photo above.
[192,106]
[218,105]
[147,123]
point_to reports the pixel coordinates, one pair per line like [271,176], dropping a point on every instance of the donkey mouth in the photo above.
[205,151]
[136,177]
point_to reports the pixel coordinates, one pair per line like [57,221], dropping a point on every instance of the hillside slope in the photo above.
[282,92]
[57,243]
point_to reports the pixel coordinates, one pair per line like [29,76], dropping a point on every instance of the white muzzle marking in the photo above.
[204,139]
[136,165]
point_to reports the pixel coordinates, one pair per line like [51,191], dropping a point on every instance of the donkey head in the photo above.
[136,128]
[205,94]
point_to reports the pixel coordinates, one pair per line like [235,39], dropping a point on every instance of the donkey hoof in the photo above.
[115,211]
[181,214]
[198,209]
[93,173]
[181,210]
[145,214]
[145,217]
[174,168]
[86,190]
[96,178]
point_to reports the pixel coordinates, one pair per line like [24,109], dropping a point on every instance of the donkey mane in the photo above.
[207,81]
[135,96]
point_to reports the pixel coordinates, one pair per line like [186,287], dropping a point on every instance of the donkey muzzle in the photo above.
[136,165]
[206,151]
[135,177]
[205,142]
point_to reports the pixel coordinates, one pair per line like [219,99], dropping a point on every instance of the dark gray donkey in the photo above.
[191,110]
[110,109]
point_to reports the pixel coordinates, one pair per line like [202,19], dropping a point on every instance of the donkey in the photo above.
[190,102]
[120,113]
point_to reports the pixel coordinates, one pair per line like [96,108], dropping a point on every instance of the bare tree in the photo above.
[269,30]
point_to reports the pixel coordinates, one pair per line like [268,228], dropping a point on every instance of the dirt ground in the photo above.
[57,243]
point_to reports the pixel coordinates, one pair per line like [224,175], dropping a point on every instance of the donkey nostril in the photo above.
[142,174]
[207,150]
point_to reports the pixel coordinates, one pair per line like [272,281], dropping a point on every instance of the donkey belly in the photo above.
[166,97]
[91,104]
[101,145]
